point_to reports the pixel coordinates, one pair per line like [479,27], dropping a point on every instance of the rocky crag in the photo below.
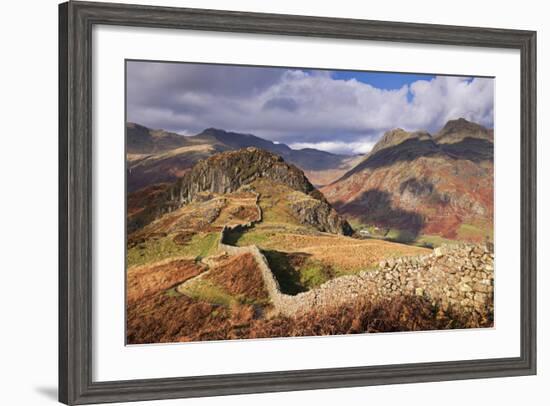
[228,171]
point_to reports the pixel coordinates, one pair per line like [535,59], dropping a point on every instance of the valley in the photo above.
[240,244]
[412,188]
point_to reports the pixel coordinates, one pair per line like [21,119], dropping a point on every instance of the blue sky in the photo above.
[337,111]
[381,80]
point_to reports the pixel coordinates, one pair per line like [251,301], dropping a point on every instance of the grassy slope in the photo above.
[154,250]
[302,257]
[477,231]
[235,280]
[225,302]
[200,222]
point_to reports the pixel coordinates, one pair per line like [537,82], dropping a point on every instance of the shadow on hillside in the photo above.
[423,188]
[375,207]
[283,266]
[472,149]
[234,235]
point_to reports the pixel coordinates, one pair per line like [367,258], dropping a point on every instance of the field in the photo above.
[301,255]
[184,300]
[477,231]
[175,267]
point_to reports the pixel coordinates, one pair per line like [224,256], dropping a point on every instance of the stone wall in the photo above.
[457,276]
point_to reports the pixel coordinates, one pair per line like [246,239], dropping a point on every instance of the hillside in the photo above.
[413,185]
[155,156]
[242,245]
[227,172]
[303,238]
[311,161]
[143,140]
[244,265]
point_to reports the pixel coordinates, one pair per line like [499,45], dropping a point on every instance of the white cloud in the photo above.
[445,98]
[337,147]
[296,107]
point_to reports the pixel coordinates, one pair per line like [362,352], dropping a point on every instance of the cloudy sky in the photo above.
[336,111]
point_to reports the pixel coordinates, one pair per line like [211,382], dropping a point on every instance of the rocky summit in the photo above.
[227,172]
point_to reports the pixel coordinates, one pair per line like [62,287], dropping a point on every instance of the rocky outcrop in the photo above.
[320,214]
[398,136]
[457,130]
[229,171]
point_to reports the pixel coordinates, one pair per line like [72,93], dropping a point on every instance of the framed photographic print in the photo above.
[257,202]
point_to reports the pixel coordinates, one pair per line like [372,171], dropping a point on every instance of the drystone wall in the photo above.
[456,276]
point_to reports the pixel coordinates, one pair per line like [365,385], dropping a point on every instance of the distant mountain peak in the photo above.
[321,167]
[397,136]
[458,129]
[131,124]
[460,124]
[213,131]
[143,140]
[232,139]
[410,176]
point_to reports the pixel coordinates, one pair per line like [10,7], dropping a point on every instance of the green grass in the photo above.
[172,292]
[154,250]
[356,224]
[295,279]
[273,211]
[206,291]
[422,240]
[251,237]
[273,201]
[284,272]
[401,236]
[375,231]
[467,231]
[314,274]
[203,245]
[432,241]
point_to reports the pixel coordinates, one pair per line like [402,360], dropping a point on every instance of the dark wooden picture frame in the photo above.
[76,20]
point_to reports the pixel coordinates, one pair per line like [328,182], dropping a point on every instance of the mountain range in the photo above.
[156,156]
[417,183]
[409,185]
